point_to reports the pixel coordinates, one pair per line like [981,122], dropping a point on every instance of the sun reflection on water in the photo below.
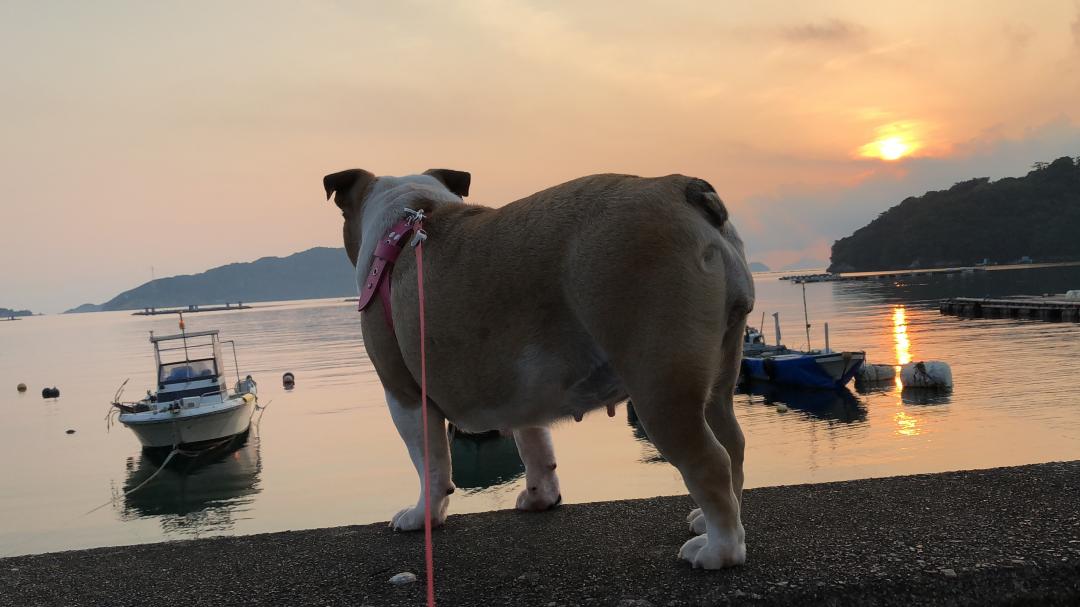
[906,424]
[902,345]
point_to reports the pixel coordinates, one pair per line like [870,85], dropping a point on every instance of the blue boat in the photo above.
[779,364]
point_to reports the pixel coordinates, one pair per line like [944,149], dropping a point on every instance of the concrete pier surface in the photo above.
[1004,536]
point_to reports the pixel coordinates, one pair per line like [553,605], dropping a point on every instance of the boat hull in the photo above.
[192,428]
[830,370]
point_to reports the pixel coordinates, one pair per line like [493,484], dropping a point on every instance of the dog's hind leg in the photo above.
[541,484]
[720,413]
[672,413]
[408,421]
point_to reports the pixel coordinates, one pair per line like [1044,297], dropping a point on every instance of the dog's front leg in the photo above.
[541,484]
[409,425]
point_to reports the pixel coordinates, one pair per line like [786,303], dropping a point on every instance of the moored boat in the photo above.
[809,368]
[192,406]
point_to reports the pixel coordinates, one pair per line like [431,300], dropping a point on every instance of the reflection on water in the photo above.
[194,496]
[903,344]
[650,454]
[482,461]
[831,405]
[906,424]
[925,396]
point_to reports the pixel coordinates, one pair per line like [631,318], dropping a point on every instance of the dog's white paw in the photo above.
[701,552]
[412,518]
[697,521]
[540,497]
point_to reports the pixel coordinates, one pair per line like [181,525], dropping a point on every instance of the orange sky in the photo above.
[189,135]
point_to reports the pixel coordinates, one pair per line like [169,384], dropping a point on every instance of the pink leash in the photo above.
[429,559]
[378,281]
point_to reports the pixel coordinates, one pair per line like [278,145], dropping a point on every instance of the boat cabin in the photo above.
[188,365]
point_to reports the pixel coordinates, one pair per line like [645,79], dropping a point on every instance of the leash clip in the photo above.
[414,217]
[418,237]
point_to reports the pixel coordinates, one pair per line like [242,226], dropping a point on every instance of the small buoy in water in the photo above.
[70,431]
[50,392]
[21,387]
[781,408]
[874,373]
[288,380]
[926,374]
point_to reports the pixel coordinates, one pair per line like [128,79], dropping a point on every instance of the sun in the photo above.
[894,141]
[887,148]
[892,148]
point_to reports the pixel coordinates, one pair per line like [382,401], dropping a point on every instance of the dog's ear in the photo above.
[344,181]
[455,181]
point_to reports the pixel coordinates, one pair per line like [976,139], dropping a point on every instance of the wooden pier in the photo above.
[1054,308]
[190,309]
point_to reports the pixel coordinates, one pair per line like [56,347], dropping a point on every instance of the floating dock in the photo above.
[1054,308]
[894,274]
[798,279]
[190,309]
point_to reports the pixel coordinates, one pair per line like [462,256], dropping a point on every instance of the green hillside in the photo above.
[1036,216]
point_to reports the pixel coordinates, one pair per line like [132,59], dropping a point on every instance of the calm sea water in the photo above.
[327,454]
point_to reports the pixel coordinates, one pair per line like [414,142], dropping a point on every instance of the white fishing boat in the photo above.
[192,406]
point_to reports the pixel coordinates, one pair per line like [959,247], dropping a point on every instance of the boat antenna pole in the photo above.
[806,316]
[183,333]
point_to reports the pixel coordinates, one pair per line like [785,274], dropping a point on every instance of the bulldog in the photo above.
[572,299]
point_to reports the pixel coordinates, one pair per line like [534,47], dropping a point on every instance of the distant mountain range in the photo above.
[311,274]
[8,313]
[1035,217]
[804,263]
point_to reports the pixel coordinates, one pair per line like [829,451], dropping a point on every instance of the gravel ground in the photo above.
[1007,536]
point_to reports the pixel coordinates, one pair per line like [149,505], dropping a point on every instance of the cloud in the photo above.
[797,222]
[833,31]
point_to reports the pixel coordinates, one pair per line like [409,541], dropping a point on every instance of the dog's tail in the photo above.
[700,194]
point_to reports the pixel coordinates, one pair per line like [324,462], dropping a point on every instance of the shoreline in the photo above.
[996,536]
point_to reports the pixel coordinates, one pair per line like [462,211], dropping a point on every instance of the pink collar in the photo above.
[378,278]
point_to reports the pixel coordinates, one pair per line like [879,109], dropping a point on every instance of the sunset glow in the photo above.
[805,117]
[892,147]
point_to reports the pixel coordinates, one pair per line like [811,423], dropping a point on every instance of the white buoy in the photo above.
[874,373]
[926,374]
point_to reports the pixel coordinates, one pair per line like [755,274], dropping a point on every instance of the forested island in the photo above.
[311,274]
[1030,218]
[9,313]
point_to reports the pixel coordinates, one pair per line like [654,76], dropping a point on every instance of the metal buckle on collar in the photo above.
[416,218]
